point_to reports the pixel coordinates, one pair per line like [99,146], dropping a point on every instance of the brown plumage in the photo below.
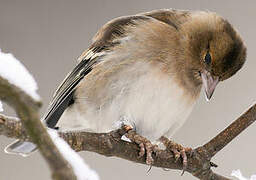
[193,33]
[147,71]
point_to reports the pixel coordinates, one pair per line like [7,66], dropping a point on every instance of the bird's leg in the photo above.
[145,145]
[178,151]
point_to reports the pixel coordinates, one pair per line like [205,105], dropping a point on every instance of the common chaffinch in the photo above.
[146,71]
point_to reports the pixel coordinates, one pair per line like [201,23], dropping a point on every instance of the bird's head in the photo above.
[215,49]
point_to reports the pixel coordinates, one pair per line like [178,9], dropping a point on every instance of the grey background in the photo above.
[48,35]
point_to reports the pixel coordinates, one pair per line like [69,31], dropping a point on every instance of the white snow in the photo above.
[15,72]
[238,175]
[1,107]
[81,170]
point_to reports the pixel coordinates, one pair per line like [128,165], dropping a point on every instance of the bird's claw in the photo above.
[178,150]
[146,148]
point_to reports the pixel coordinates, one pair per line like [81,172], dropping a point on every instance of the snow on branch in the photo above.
[81,170]
[15,72]
[18,89]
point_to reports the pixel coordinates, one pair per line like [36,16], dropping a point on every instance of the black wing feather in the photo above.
[64,94]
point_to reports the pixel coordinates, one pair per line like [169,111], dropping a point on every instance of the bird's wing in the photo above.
[105,39]
[172,17]
[64,93]
[109,36]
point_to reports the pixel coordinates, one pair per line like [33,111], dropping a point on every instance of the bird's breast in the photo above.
[150,101]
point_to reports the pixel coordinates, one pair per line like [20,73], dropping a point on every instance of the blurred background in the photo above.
[47,36]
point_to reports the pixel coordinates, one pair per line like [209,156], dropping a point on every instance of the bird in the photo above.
[145,71]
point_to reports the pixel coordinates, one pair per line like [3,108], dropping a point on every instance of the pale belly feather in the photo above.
[154,104]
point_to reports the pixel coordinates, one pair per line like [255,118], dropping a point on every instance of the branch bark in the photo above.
[27,110]
[233,130]
[110,144]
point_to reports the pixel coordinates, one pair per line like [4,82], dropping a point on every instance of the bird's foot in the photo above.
[146,148]
[178,150]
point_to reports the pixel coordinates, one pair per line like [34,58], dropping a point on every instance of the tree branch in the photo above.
[233,130]
[28,111]
[110,144]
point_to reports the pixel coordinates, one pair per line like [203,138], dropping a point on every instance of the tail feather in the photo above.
[22,148]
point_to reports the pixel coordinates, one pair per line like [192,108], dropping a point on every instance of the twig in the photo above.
[28,111]
[233,130]
[110,144]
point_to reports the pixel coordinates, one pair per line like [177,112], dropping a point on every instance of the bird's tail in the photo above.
[22,148]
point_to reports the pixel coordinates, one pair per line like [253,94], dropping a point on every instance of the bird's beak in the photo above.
[210,82]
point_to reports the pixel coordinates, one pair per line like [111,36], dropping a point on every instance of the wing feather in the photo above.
[64,93]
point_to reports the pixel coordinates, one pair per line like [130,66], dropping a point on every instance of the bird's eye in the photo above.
[208,58]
